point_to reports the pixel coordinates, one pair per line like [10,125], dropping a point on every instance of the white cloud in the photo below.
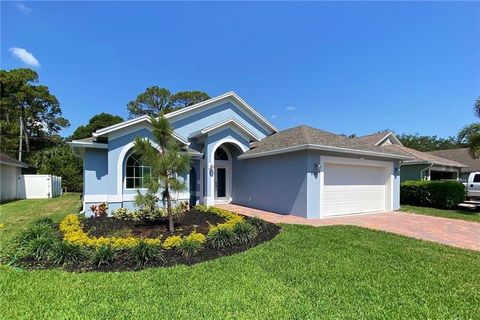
[25,56]
[274,116]
[23,8]
[290,108]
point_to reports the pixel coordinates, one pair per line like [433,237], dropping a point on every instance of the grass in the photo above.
[305,273]
[452,214]
[16,215]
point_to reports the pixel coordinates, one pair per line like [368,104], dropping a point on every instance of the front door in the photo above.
[220,183]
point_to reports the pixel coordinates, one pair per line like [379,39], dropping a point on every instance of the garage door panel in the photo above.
[353,189]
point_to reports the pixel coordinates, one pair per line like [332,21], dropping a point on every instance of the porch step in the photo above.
[467,205]
[476,202]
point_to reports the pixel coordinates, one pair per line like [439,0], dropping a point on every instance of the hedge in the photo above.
[437,194]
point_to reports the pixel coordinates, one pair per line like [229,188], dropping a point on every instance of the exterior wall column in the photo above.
[209,176]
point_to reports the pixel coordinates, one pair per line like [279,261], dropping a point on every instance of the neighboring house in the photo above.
[421,165]
[238,156]
[10,171]
[461,155]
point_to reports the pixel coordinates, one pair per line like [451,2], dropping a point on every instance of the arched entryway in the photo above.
[223,174]
[217,172]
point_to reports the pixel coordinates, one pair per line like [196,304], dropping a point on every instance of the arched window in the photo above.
[220,154]
[136,173]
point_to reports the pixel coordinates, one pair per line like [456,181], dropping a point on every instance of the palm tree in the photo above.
[477,107]
[165,164]
[470,135]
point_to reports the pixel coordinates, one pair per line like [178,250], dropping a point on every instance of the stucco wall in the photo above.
[208,117]
[8,178]
[96,172]
[412,172]
[276,183]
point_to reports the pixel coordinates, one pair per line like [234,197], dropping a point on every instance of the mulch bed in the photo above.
[190,221]
[184,225]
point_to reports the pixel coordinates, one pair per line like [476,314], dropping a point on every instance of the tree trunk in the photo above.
[169,212]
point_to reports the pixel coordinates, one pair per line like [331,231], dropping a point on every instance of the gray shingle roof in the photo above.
[461,155]
[372,138]
[422,156]
[11,161]
[304,135]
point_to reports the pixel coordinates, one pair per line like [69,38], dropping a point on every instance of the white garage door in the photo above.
[353,189]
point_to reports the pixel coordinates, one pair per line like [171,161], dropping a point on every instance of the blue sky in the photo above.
[342,67]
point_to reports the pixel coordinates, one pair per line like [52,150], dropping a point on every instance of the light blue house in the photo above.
[238,156]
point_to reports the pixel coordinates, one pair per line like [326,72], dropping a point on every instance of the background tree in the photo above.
[166,165]
[60,161]
[98,121]
[152,102]
[470,135]
[157,100]
[428,143]
[33,106]
[187,98]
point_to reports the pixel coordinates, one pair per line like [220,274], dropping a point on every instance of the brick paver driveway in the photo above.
[457,233]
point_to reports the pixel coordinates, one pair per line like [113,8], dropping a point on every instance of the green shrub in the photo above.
[221,237]
[257,223]
[144,252]
[38,229]
[189,248]
[41,247]
[245,232]
[65,253]
[437,194]
[38,240]
[103,255]
[191,244]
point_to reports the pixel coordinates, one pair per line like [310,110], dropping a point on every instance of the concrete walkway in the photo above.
[457,233]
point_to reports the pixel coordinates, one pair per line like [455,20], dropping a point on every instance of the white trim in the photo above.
[130,123]
[392,136]
[229,95]
[85,144]
[227,140]
[121,157]
[121,125]
[227,123]
[108,198]
[321,148]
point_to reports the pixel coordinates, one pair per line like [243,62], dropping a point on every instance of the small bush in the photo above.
[99,210]
[65,253]
[144,252]
[437,194]
[103,255]
[257,223]
[172,242]
[191,244]
[36,230]
[245,232]
[41,247]
[221,236]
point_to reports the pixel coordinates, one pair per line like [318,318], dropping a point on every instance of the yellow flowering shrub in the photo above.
[196,237]
[172,242]
[232,218]
[73,232]
[2,226]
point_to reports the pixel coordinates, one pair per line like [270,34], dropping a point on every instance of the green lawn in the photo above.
[304,273]
[452,214]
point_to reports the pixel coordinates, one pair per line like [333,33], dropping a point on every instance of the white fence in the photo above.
[38,186]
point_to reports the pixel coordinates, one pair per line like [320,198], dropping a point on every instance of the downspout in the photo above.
[423,170]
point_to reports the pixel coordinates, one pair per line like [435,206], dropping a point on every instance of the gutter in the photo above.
[427,168]
[323,148]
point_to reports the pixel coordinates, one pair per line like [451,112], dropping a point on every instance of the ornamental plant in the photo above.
[166,164]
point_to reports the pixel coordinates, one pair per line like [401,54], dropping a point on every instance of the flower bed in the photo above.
[80,244]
